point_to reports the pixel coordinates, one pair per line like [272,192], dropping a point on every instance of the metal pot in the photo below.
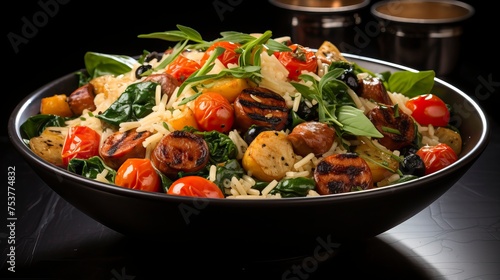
[314,21]
[422,34]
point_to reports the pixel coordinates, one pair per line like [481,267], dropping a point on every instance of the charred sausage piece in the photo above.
[261,107]
[397,127]
[180,151]
[167,82]
[82,98]
[311,137]
[373,89]
[120,146]
[340,173]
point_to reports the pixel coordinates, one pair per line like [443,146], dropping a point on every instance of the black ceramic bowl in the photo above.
[298,223]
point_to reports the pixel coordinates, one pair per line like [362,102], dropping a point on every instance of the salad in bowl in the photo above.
[244,116]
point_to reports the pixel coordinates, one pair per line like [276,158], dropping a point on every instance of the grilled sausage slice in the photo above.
[373,89]
[120,146]
[168,83]
[340,173]
[82,98]
[397,127]
[180,151]
[311,137]
[262,107]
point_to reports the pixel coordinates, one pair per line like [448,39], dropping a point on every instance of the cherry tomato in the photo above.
[436,157]
[429,109]
[299,59]
[138,174]
[182,67]
[81,142]
[213,111]
[228,56]
[195,186]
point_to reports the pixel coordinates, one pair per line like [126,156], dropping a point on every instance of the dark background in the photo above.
[55,34]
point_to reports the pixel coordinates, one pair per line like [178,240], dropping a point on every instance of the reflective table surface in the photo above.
[456,237]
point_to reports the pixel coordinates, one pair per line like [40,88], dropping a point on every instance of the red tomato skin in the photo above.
[182,67]
[213,111]
[81,142]
[429,109]
[295,62]
[436,157]
[195,186]
[138,174]
[229,56]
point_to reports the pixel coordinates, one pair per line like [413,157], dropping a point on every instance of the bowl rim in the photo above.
[312,9]
[15,138]
[386,17]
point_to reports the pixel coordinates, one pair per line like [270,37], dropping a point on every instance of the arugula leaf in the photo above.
[184,33]
[178,49]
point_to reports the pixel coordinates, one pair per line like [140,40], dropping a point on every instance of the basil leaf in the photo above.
[99,64]
[411,84]
[355,122]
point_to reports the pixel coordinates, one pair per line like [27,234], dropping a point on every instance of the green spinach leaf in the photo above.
[135,102]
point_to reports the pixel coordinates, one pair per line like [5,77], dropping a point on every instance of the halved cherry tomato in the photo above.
[213,111]
[182,67]
[228,56]
[138,174]
[195,186]
[81,142]
[436,157]
[429,109]
[298,60]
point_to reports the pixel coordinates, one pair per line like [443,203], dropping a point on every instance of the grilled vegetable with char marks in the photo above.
[340,173]
[262,107]
[180,151]
[121,146]
[397,127]
[381,162]
[49,145]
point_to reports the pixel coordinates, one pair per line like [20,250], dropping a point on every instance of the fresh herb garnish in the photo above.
[335,107]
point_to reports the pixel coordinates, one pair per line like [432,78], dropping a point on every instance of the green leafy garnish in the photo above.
[335,106]
[135,102]
[411,84]
[99,64]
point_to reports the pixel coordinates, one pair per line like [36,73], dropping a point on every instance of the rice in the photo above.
[269,187]
[274,75]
